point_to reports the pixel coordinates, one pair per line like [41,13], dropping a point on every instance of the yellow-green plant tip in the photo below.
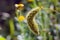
[2,38]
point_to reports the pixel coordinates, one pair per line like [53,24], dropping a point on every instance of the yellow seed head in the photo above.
[21,18]
[19,6]
[30,0]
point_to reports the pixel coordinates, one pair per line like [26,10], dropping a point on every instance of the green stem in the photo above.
[50,37]
[33,4]
[12,30]
[16,13]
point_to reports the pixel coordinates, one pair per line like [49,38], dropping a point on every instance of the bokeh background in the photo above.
[13,23]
